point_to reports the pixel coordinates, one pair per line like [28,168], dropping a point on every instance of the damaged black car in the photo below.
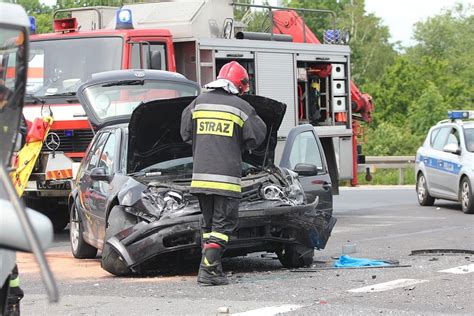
[131,195]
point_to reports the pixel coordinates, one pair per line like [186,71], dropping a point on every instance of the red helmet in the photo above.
[236,74]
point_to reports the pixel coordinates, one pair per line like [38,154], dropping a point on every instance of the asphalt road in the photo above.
[382,223]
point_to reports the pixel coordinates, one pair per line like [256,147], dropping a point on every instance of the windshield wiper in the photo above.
[34,98]
[62,94]
[135,82]
[148,172]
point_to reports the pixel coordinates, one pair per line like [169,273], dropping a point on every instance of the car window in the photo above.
[453,137]
[441,138]
[106,160]
[469,138]
[433,136]
[305,150]
[94,154]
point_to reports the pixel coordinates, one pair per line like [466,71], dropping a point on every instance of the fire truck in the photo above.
[195,38]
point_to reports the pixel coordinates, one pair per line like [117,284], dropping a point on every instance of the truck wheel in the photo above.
[424,197]
[112,261]
[465,196]
[295,256]
[79,248]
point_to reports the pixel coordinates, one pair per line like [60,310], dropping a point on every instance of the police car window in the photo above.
[469,138]
[94,154]
[106,160]
[441,138]
[305,150]
[433,136]
[453,137]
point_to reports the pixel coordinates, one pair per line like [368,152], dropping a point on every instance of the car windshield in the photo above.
[182,166]
[59,67]
[118,98]
[469,137]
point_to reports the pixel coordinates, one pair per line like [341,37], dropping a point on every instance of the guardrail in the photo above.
[388,162]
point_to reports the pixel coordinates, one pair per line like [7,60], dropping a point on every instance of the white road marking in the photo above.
[460,270]
[270,311]
[387,286]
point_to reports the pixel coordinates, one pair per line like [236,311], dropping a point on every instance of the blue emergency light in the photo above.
[124,19]
[69,133]
[459,115]
[332,36]
[32,24]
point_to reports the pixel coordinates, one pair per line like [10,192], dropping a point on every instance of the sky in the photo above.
[398,15]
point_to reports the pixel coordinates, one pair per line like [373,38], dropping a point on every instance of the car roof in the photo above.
[461,123]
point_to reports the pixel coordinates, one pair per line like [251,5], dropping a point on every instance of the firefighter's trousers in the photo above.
[220,215]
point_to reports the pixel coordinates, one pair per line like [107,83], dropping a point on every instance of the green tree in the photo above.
[430,102]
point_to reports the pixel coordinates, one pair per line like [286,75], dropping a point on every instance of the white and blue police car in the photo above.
[444,166]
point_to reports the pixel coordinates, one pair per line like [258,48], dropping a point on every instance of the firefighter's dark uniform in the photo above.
[221,126]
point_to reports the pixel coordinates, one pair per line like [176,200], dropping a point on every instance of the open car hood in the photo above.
[110,97]
[154,132]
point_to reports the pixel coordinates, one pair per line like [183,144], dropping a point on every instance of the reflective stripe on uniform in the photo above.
[218,115]
[206,235]
[222,108]
[215,185]
[220,236]
[15,282]
[216,178]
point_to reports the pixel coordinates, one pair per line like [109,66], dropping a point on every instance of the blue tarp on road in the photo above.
[348,262]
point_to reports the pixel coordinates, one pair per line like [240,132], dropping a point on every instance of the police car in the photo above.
[445,162]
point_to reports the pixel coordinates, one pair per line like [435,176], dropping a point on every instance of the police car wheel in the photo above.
[79,248]
[467,201]
[424,197]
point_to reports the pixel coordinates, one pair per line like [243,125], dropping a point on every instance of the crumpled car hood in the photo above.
[154,132]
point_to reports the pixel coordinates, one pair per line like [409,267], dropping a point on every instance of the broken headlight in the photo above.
[292,193]
[161,201]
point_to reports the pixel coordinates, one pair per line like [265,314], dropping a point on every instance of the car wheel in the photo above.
[79,248]
[295,256]
[112,261]
[424,197]
[467,202]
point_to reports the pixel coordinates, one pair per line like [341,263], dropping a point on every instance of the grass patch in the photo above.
[389,177]
[386,177]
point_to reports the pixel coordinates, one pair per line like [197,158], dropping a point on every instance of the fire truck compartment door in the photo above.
[276,79]
[343,148]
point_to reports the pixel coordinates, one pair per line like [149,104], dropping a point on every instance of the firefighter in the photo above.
[221,127]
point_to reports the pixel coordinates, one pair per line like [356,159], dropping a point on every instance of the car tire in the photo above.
[79,248]
[465,196]
[424,197]
[295,256]
[112,261]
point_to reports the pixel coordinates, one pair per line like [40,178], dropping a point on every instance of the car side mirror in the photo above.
[99,174]
[12,235]
[305,169]
[452,148]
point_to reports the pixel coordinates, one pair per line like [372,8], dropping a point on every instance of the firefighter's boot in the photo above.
[210,269]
